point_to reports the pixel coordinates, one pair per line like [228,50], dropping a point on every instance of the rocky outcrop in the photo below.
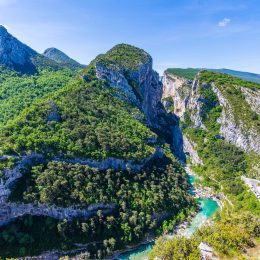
[113,163]
[10,176]
[206,251]
[11,211]
[141,87]
[54,114]
[190,149]
[178,89]
[13,53]
[252,97]
[195,105]
[117,80]
[236,132]
[16,55]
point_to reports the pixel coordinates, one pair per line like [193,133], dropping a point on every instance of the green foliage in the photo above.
[221,79]
[19,91]
[176,248]
[184,73]
[124,55]
[169,104]
[82,185]
[93,123]
[231,234]
[160,188]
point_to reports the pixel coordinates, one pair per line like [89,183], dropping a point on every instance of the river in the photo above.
[208,208]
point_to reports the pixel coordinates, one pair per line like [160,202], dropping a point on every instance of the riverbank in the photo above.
[203,192]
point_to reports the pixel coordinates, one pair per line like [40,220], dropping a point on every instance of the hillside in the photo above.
[26,76]
[101,158]
[190,73]
[15,55]
[241,74]
[61,58]
[219,116]
[89,162]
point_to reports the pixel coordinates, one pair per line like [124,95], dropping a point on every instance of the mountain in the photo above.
[61,58]
[219,117]
[99,159]
[241,74]
[17,56]
[26,76]
[190,73]
[90,162]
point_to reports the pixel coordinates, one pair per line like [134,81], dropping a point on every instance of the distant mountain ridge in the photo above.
[240,74]
[190,73]
[15,55]
[61,58]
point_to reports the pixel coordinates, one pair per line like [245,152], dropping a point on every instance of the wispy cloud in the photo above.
[224,22]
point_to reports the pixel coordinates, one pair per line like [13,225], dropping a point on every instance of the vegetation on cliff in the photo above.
[144,199]
[237,226]
[183,73]
[229,236]
[20,91]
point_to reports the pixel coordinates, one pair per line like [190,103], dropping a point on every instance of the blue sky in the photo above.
[188,33]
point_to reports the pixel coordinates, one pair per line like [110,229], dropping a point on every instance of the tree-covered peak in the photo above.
[124,55]
[61,58]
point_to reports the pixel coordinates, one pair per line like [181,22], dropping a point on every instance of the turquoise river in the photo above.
[208,208]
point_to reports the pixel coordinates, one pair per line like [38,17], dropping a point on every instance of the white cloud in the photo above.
[224,22]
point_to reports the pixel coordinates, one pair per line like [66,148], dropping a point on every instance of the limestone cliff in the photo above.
[239,123]
[137,83]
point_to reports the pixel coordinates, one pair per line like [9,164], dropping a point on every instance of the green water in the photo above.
[141,253]
[208,208]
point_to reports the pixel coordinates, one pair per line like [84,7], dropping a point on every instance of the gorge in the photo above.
[99,158]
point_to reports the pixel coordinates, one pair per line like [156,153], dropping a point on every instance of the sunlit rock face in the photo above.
[139,85]
[13,53]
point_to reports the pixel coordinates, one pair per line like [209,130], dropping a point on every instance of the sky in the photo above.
[177,33]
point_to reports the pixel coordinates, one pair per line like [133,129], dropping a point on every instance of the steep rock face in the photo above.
[195,105]
[10,176]
[174,87]
[252,97]
[117,80]
[236,132]
[11,211]
[138,83]
[190,149]
[13,53]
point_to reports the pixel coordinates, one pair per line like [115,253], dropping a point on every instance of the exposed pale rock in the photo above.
[11,211]
[206,251]
[252,97]
[113,163]
[12,175]
[13,53]
[117,80]
[236,133]
[195,106]
[143,88]
[190,149]
[173,87]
